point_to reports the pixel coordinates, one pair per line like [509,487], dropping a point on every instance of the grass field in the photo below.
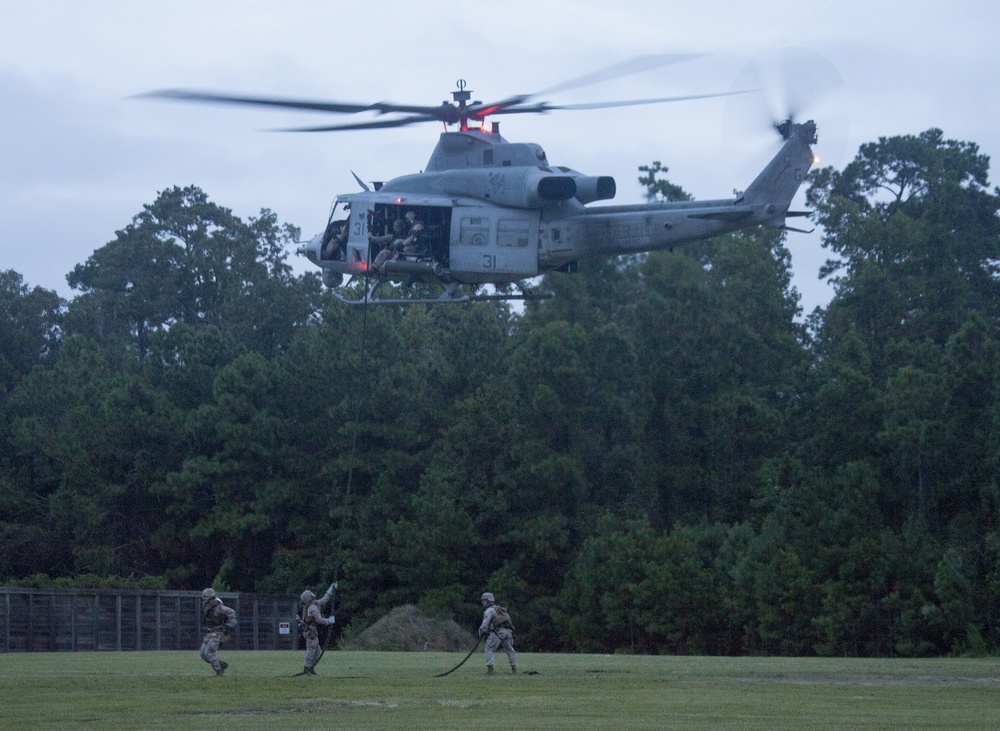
[383,690]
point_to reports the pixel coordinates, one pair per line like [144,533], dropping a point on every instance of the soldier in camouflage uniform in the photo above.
[217,618]
[499,630]
[311,620]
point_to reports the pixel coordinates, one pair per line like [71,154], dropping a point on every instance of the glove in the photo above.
[329,592]
[331,619]
[481,633]
[231,624]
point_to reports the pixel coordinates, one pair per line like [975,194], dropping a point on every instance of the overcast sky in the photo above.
[79,158]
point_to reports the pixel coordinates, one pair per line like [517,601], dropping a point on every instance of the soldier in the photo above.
[335,240]
[500,630]
[404,238]
[218,619]
[312,618]
[391,243]
[416,228]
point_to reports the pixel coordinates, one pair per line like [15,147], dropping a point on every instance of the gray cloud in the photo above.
[78,158]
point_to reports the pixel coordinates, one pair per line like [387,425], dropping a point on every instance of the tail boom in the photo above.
[614,230]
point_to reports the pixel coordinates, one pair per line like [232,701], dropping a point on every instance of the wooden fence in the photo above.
[76,620]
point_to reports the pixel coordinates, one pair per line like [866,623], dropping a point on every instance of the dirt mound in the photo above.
[406,629]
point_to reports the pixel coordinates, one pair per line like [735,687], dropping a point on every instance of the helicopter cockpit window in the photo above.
[336,233]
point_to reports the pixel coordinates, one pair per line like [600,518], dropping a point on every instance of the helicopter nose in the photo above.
[312,249]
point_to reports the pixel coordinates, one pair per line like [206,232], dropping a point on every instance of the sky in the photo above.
[80,155]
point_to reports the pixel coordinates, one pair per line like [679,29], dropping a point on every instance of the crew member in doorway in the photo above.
[391,243]
[415,227]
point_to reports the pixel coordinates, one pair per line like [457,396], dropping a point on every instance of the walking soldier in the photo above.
[218,619]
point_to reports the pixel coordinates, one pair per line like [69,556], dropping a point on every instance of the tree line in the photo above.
[665,457]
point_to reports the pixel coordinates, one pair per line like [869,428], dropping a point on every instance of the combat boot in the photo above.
[489,670]
[513,669]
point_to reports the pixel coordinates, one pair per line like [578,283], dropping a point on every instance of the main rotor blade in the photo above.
[381,124]
[186,95]
[517,104]
[432,113]
[511,106]
[478,110]
[637,102]
[636,65]
[446,112]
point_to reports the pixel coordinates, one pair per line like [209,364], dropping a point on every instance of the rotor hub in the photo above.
[787,127]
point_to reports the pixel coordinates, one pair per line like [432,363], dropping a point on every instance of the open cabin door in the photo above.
[432,242]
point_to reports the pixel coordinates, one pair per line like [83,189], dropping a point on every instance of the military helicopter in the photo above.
[485,211]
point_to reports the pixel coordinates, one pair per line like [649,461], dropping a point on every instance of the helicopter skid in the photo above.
[448,295]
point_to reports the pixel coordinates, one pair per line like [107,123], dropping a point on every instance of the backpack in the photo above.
[502,618]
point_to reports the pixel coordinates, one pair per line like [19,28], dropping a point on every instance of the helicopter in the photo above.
[486,211]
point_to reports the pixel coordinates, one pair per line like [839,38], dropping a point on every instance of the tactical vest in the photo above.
[501,620]
[307,621]
[214,621]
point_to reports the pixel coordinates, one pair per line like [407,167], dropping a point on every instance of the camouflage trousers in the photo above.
[209,646]
[313,649]
[494,641]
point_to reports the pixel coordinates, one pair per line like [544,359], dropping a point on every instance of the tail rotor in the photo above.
[792,85]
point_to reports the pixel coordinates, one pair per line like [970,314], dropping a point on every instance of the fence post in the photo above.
[118,622]
[52,623]
[31,623]
[256,624]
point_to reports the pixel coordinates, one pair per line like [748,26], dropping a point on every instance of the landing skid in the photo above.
[448,295]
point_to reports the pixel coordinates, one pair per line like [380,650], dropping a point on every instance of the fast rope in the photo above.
[441,675]
[350,479]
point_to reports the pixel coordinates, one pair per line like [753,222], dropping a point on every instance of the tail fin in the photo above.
[778,183]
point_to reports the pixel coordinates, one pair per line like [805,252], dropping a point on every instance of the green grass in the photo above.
[383,690]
